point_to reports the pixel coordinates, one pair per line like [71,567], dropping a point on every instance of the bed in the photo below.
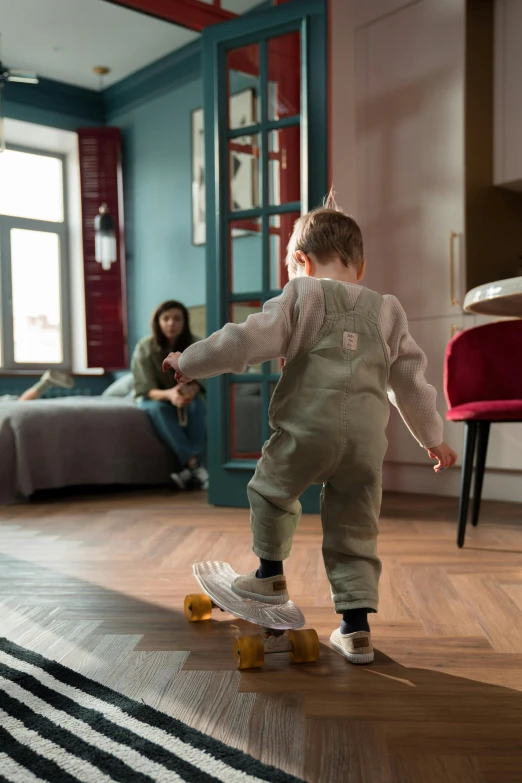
[70,441]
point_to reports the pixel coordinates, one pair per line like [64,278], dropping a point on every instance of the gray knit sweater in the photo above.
[289,326]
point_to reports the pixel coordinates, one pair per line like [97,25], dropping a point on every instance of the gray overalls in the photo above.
[329,412]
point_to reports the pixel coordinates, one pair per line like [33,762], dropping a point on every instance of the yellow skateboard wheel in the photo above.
[305,646]
[197,607]
[249,651]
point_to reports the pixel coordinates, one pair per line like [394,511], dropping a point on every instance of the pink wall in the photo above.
[342,103]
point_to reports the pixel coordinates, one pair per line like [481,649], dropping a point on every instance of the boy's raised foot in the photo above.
[270,590]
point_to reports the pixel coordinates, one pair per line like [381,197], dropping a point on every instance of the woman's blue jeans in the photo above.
[185,442]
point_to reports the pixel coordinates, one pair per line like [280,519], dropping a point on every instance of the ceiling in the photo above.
[65,39]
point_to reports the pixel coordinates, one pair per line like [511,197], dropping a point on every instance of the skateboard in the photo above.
[280,622]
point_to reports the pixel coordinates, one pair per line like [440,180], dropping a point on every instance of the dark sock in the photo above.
[269,568]
[355,620]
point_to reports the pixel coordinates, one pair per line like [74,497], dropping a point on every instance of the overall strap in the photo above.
[335,297]
[368,305]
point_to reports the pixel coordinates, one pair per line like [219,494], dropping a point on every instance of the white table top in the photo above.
[502,298]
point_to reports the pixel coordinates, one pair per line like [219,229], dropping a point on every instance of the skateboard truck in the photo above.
[301,645]
[249,651]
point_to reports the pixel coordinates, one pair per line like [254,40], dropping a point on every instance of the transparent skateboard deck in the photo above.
[215,579]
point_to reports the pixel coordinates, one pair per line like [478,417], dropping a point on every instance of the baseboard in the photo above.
[420,479]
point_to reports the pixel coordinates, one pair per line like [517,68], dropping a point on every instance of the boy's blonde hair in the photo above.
[327,233]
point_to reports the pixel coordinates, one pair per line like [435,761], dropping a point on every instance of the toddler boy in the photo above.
[347,351]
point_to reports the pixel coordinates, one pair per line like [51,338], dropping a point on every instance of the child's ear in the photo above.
[301,258]
[362,270]
[304,263]
[309,267]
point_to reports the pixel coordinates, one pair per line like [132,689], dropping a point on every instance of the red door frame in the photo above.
[193,14]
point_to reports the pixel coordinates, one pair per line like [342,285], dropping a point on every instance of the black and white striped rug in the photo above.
[59,726]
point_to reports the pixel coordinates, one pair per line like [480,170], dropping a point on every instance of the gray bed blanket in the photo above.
[46,444]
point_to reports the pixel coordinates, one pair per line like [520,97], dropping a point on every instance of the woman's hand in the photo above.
[191,389]
[445,455]
[177,398]
[172,362]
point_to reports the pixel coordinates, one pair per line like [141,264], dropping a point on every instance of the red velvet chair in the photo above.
[483,384]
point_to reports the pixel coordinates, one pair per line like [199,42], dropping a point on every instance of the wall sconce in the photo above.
[104,238]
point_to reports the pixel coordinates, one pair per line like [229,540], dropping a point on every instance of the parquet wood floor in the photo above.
[97,582]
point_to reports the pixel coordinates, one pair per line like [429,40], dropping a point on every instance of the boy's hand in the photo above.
[445,455]
[172,362]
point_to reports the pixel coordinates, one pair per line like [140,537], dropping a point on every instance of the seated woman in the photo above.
[177,414]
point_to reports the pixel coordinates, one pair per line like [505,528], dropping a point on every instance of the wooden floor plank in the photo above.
[98,582]
[436,769]
[499,616]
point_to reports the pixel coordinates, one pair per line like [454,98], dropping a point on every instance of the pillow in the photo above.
[123,387]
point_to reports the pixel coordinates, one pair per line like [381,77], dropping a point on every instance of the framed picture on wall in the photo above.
[244,169]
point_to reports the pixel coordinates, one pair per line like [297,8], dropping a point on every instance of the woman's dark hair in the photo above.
[158,338]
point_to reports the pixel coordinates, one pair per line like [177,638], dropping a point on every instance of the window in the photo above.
[33,257]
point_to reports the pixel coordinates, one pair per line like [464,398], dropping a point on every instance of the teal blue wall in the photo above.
[162,262]
[153,109]
[54,104]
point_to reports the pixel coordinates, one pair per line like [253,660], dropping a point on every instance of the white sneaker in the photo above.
[270,590]
[356,647]
[200,476]
[182,479]
[56,378]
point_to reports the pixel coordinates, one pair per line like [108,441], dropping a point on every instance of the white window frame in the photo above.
[7,222]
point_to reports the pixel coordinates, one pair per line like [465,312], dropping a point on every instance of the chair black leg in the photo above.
[470,437]
[482,450]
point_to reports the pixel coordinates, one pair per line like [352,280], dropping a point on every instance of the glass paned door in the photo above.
[263,74]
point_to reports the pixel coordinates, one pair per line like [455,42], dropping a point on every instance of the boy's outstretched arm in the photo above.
[263,336]
[415,398]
